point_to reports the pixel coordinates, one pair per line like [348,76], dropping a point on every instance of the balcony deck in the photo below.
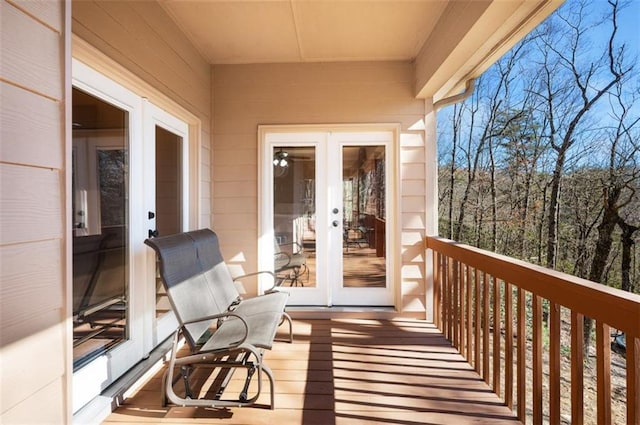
[348,371]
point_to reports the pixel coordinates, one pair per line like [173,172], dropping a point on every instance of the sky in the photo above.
[630,24]
[628,33]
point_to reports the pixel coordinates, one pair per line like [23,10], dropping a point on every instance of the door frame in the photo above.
[91,379]
[265,198]
[85,56]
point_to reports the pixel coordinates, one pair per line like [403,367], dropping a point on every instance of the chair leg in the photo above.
[185,372]
[247,382]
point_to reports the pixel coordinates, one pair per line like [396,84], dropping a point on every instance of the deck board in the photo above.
[347,372]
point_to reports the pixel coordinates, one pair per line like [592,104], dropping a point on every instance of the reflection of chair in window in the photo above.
[290,263]
[99,303]
[355,237]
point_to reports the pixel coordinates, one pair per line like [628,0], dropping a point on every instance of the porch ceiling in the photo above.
[449,40]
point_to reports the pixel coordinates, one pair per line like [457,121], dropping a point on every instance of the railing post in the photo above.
[436,290]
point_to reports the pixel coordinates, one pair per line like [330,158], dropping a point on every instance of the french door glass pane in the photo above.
[168,197]
[363,200]
[100,209]
[294,215]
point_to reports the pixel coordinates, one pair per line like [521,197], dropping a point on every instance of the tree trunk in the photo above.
[602,250]
[627,243]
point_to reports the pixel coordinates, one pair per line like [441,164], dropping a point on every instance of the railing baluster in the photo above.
[447,302]
[496,336]
[436,290]
[455,309]
[476,278]
[577,368]
[468,313]
[633,379]
[537,360]
[508,348]
[461,310]
[554,363]
[485,330]
[603,373]
[521,391]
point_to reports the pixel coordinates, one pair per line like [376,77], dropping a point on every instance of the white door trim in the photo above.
[88,382]
[93,378]
[161,328]
[265,199]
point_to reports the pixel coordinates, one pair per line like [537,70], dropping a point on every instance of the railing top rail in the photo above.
[615,307]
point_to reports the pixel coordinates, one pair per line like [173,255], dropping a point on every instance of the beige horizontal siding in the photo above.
[27,123]
[31,56]
[48,12]
[141,37]
[43,407]
[34,361]
[33,335]
[31,204]
[30,276]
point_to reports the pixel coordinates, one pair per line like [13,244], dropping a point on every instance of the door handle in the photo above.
[335,223]
[153,233]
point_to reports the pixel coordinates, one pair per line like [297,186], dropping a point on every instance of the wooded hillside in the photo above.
[542,162]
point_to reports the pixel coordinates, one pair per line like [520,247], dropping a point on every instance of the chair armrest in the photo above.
[276,282]
[221,316]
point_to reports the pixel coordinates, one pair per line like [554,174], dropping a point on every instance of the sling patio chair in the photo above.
[222,330]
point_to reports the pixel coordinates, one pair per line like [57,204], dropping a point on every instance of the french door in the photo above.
[129,182]
[327,216]
[167,202]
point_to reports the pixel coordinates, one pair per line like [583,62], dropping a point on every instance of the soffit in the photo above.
[232,31]
[449,41]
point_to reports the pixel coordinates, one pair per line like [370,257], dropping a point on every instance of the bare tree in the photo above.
[619,188]
[571,88]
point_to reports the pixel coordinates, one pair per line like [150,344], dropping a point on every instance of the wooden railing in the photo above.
[491,308]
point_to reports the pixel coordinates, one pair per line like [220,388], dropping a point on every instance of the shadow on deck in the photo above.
[348,372]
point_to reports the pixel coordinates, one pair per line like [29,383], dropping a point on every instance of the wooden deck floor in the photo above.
[349,372]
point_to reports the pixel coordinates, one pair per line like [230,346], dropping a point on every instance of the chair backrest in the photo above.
[215,269]
[189,268]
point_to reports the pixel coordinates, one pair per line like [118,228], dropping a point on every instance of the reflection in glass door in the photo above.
[100,216]
[361,180]
[363,203]
[294,215]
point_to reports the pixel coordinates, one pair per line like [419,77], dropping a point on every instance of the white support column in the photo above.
[431,197]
